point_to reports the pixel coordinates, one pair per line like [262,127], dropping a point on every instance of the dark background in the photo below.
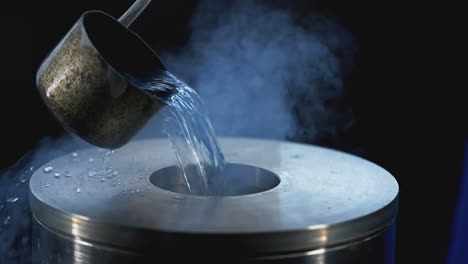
[404,91]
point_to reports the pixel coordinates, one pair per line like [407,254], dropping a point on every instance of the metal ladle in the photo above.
[133,12]
[85,80]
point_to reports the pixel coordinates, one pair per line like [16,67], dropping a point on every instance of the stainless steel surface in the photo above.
[55,248]
[325,198]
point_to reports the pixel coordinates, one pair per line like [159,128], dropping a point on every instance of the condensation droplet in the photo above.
[67,174]
[47,185]
[101,173]
[7,219]
[115,173]
[12,200]
[103,179]
[78,190]
[91,160]
[91,173]
[74,154]
[178,197]
[48,169]
[57,175]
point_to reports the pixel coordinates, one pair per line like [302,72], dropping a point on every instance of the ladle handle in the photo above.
[133,12]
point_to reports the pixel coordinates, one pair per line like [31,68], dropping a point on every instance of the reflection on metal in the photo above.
[314,215]
[321,258]
[322,235]
[315,252]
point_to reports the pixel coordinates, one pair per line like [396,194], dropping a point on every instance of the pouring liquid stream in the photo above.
[190,133]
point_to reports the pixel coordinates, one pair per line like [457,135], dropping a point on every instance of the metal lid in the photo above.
[325,197]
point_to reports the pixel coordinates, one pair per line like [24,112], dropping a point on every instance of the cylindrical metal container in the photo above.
[286,203]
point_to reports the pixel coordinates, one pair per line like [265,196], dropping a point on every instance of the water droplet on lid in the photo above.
[78,190]
[101,173]
[178,196]
[23,180]
[7,219]
[12,200]
[48,169]
[74,154]
[137,190]
[103,179]
[32,168]
[57,175]
[91,173]
[67,174]
[47,185]
[115,173]
[91,160]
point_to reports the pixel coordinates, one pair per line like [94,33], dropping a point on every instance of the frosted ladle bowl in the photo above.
[88,79]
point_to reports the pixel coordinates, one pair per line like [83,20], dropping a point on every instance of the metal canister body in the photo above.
[304,204]
[51,247]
